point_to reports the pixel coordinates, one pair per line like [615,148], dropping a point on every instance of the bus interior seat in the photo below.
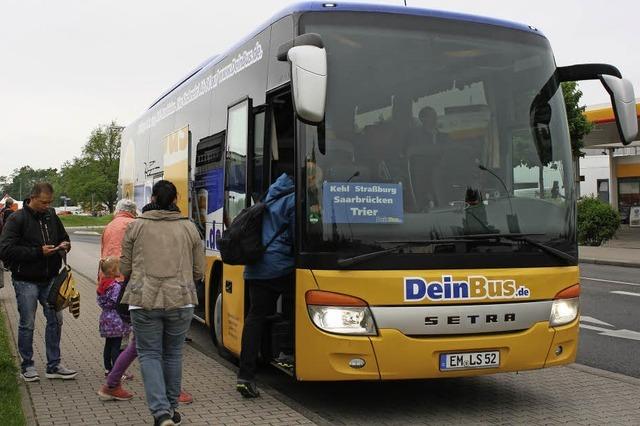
[378,147]
[421,161]
[457,170]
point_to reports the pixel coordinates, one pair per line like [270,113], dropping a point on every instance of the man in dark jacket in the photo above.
[266,279]
[32,242]
[6,210]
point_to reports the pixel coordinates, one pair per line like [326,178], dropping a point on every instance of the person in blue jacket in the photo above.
[267,279]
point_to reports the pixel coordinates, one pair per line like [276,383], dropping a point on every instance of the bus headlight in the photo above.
[563,311]
[565,306]
[340,314]
[343,320]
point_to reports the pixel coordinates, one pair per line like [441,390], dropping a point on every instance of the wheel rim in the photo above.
[217,318]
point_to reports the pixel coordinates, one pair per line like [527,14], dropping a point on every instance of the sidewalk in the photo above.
[75,402]
[563,395]
[622,250]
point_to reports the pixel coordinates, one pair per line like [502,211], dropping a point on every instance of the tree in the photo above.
[22,179]
[525,152]
[579,125]
[94,175]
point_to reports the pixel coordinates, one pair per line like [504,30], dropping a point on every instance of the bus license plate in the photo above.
[467,360]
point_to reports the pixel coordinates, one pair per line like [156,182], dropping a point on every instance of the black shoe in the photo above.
[285,360]
[247,389]
[163,420]
[177,418]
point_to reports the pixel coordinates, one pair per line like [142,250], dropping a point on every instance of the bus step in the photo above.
[285,367]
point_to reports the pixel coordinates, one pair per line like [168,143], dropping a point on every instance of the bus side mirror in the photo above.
[308,60]
[620,89]
[624,106]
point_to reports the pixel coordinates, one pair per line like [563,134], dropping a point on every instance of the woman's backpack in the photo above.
[123,308]
[241,242]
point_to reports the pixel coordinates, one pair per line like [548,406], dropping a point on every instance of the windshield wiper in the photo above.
[570,260]
[404,244]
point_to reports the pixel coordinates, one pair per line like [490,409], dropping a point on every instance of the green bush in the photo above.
[597,222]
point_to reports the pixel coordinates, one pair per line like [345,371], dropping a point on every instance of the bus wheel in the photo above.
[215,326]
[217,320]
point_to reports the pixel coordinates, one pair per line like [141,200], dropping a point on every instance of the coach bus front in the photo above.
[437,231]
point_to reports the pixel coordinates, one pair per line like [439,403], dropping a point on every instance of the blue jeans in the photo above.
[28,294]
[160,337]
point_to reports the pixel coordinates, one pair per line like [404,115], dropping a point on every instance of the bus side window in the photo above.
[257,166]
[282,139]
[236,164]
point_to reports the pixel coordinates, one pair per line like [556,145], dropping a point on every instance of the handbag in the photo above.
[123,308]
[63,292]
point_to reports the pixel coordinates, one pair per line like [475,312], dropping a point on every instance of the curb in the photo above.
[80,228]
[25,397]
[86,233]
[609,262]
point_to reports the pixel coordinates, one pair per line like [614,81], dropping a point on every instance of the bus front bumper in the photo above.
[392,355]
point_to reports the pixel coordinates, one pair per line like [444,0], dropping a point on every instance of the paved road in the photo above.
[610,304]
[538,397]
[85,253]
[610,319]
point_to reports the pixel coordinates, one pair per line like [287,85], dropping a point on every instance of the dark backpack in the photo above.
[4,209]
[123,308]
[241,242]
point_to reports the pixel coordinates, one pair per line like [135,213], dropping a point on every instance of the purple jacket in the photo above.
[111,325]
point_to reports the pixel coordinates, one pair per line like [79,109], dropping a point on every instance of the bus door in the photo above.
[207,195]
[259,147]
[280,146]
[235,199]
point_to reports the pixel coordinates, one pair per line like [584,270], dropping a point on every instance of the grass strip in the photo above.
[76,220]
[10,406]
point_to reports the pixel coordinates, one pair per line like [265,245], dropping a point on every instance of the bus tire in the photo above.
[215,314]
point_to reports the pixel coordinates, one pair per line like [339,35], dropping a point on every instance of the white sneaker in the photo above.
[61,372]
[30,374]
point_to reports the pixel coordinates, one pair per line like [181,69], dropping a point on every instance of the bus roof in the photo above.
[346,7]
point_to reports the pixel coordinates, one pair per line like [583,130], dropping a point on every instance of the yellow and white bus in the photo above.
[435,199]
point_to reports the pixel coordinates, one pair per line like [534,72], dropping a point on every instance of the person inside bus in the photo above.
[428,131]
[270,277]
[380,154]
[423,155]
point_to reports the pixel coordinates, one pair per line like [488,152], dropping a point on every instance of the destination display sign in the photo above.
[346,202]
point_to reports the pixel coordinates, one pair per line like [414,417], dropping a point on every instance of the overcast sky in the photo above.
[67,66]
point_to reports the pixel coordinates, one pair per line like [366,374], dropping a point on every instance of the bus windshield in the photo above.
[436,129]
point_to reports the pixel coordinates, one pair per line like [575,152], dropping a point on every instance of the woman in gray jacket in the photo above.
[163,257]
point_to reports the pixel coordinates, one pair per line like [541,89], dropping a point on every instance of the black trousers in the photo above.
[263,295]
[111,351]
